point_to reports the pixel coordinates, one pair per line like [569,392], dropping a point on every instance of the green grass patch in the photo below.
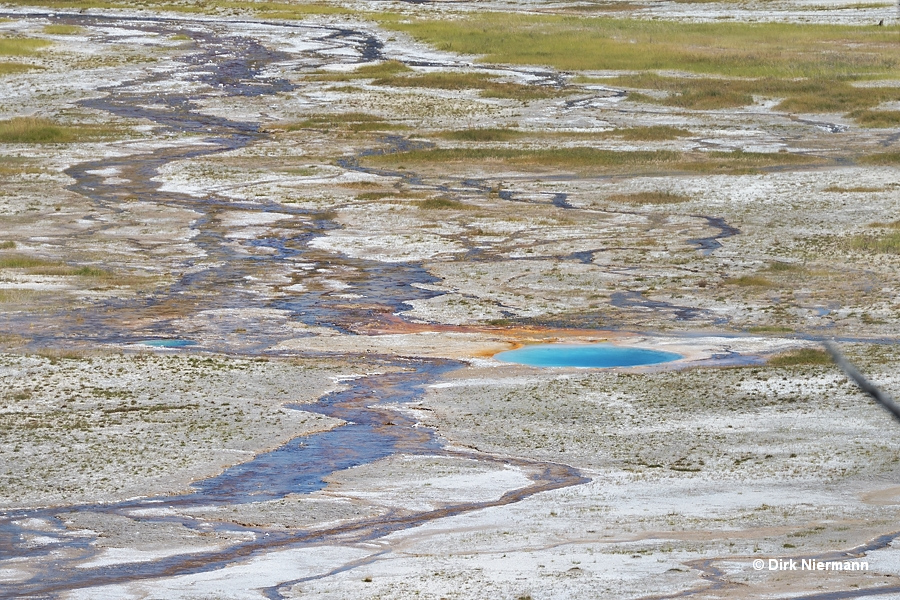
[814,95]
[877,118]
[7,245]
[803,356]
[651,133]
[596,160]
[442,204]
[382,69]
[12,68]
[882,159]
[39,266]
[888,243]
[23,262]
[62,29]
[21,46]
[35,130]
[649,198]
[574,43]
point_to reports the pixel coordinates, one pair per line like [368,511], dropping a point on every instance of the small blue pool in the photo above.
[596,356]
[167,343]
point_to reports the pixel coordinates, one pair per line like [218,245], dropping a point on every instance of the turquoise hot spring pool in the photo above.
[589,356]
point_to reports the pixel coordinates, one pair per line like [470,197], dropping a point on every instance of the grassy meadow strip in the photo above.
[13,46]
[36,130]
[782,50]
[595,160]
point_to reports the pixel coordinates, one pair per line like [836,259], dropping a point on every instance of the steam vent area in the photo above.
[449,300]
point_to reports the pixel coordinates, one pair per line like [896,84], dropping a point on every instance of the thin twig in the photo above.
[864,384]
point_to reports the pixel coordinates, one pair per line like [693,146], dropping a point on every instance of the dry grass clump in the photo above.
[655,197]
[36,130]
[803,356]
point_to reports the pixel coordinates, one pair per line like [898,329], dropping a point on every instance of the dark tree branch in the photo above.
[864,384]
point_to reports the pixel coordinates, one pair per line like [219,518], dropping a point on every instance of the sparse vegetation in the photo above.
[489,86]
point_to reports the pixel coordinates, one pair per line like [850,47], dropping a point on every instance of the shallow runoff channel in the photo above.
[233,63]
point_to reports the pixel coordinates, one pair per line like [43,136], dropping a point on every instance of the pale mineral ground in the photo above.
[256,259]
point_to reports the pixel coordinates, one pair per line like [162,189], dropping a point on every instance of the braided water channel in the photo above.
[234,64]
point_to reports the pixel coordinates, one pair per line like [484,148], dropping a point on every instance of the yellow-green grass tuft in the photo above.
[63,29]
[13,68]
[382,69]
[7,245]
[803,356]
